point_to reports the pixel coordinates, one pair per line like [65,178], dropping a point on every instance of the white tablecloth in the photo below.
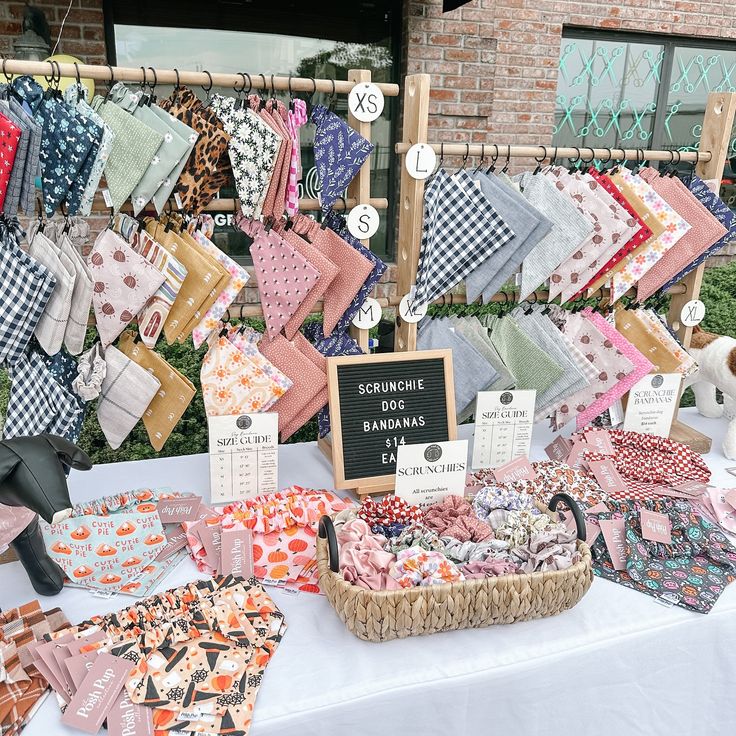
[618,663]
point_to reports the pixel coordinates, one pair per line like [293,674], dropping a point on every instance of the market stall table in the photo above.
[618,663]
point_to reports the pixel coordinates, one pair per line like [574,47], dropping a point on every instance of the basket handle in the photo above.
[327,530]
[570,502]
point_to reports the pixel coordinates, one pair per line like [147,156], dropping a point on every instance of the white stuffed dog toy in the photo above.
[716,359]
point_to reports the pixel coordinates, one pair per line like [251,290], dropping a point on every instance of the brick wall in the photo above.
[494,62]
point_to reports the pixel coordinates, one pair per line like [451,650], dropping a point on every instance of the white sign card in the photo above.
[369,314]
[363,221]
[651,405]
[420,161]
[366,102]
[503,427]
[428,473]
[693,313]
[410,310]
[243,455]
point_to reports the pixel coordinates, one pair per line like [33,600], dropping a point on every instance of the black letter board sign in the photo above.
[379,402]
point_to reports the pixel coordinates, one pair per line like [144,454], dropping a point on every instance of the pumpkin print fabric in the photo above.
[123,282]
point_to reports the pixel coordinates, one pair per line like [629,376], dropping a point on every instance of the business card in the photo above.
[236,552]
[429,472]
[96,693]
[176,510]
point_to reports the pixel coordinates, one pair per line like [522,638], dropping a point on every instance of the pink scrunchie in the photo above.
[487,569]
[363,561]
[454,517]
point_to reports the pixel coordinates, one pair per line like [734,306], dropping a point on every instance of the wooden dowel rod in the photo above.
[101,73]
[305,205]
[507,151]
[541,297]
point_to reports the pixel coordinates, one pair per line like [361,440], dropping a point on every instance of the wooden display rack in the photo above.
[709,163]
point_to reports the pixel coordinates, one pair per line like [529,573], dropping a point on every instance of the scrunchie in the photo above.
[487,569]
[417,566]
[458,551]
[454,517]
[389,530]
[91,371]
[363,560]
[500,497]
[521,525]
[389,510]
[415,536]
[550,550]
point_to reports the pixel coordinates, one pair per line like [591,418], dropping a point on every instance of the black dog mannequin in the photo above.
[33,474]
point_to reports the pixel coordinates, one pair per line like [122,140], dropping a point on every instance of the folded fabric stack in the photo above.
[114,544]
[283,530]
[23,688]
[578,230]
[197,654]
[578,362]
[391,545]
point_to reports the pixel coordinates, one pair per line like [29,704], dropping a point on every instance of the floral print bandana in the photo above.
[253,149]
[231,382]
[66,141]
[691,572]
[82,191]
[705,231]
[238,279]
[124,282]
[339,152]
[639,263]
[722,212]
[267,375]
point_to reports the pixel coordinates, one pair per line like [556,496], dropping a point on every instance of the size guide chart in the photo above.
[243,456]
[503,427]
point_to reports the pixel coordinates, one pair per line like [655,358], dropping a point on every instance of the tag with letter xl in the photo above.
[97,693]
[518,469]
[176,510]
[655,527]
[236,552]
[614,534]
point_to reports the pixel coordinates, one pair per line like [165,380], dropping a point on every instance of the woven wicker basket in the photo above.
[395,614]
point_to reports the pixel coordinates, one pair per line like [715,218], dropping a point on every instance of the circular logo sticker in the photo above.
[243,422]
[692,313]
[657,381]
[433,453]
[365,101]
[410,311]
[369,314]
[420,160]
[506,398]
[363,221]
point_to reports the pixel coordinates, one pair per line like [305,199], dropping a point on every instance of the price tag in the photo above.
[692,313]
[107,197]
[366,102]
[177,200]
[420,161]
[369,314]
[363,221]
[410,311]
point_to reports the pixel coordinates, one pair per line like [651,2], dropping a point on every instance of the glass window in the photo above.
[638,91]
[280,53]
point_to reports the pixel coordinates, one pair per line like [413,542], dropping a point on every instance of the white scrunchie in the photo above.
[91,372]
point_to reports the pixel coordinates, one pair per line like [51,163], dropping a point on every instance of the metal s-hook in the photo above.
[673,169]
[574,161]
[494,158]
[265,89]
[508,159]
[465,158]
[208,89]
[152,87]
[333,96]
[482,158]
[8,77]
[80,95]
[541,160]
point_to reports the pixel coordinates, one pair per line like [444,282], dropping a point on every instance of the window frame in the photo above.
[669,44]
